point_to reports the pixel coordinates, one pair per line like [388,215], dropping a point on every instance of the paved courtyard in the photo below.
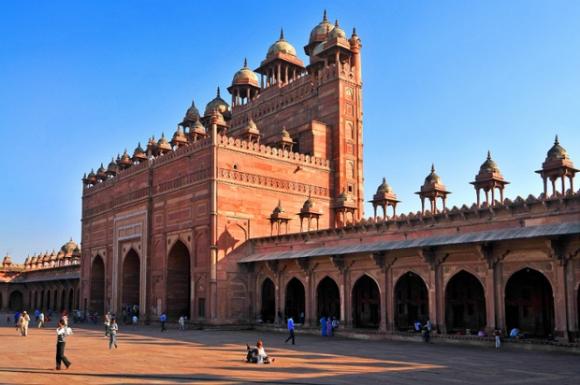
[215,357]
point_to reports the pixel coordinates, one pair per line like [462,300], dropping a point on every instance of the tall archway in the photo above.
[71,299]
[411,301]
[178,281]
[529,303]
[16,301]
[366,303]
[328,299]
[295,299]
[131,281]
[97,286]
[464,303]
[268,310]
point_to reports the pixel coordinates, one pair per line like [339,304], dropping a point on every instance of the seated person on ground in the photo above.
[258,354]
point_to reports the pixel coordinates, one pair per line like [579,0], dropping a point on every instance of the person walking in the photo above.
[290,330]
[107,323]
[497,335]
[182,323]
[24,321]
[41,320]
[113,329]
[163,319]
[61,333]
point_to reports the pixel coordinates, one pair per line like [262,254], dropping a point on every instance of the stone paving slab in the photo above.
[147,356]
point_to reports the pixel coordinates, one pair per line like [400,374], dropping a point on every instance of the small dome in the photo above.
[112,168]
[251,128]
[179,137]
[139,154]
[163,145]
[45,257]
[7,261]
[489,165]
[281,46]
[69,247]
[308,204]
[337,32]
[432,178]
[53,256]
[92,177]
[33,260]
[384,188]
[191,115]
[217,104]
[320,32]
[198,128]
[557,152]
[245,76]
[125,160]
[101,173]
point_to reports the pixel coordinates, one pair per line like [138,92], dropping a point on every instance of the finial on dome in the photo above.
[432,167]
[556,141]
[324,18]
[218,91]
[354,32]
[336,23]
[245,62]
[488,155]
[281,34]
[192,103]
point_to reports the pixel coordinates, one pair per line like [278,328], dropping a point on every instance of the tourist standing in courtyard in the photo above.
[497,335]
[163,319]
[41,320]
[107,323]
[323,326]
[23,323]
[328,327]
[113,329]
[61,333]
[182,323]
[290,330]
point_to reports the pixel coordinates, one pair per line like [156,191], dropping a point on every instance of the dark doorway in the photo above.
[15,302]
[63,300]
[529,303]
[178,281]
[48,299]
[70,300]
[97,286]
[268,311]
[366,303]
[328,298]
[411,301]
[295,300]
[131,267]
[464,304]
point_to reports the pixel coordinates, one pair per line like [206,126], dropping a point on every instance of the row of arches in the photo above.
[529,303]
[58,299]
[178,281]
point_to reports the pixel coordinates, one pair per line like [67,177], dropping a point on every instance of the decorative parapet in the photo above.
[273,152]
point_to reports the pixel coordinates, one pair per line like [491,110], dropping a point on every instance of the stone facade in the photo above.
[255,212]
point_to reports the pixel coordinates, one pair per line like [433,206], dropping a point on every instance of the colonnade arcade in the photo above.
[457,297]
[57,296]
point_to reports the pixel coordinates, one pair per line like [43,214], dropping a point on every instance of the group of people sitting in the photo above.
[257,355]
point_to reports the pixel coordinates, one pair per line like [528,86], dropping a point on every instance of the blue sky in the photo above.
[444,81]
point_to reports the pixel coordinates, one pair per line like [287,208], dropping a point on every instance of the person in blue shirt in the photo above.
[323,326]
[163,319]
[290,330]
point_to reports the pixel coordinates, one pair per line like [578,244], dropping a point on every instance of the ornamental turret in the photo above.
[384,198]
[431,190]
[245,86]
[557,165]
[489,178]
[281,65]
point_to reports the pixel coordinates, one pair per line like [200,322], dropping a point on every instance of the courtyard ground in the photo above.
[146,355]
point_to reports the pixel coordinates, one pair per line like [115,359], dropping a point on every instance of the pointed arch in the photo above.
[295,304]
[529,303]
[464,303]
[97,285]
[178,281]
[327,298]
[366,303]
[131,278]
[268,301]
[16,301]
[411,301]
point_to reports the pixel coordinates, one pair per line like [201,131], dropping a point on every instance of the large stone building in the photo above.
[254,211]
[45,281]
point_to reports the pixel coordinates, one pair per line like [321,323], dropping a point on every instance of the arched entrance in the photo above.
[366,303]
[15,301]
[464,303]
[529,303]
[295,300]
[178,281]
[131,268]
[97,286]
[411,301]
[328,299]
[268,311]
